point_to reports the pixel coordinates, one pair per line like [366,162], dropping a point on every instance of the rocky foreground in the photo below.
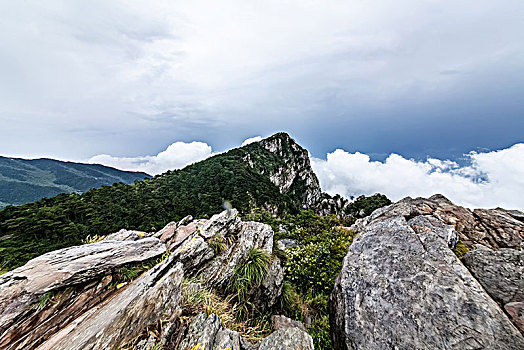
[401,286]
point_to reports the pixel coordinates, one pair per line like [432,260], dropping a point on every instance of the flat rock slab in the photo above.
[153,296]
[22,287]
[401,289]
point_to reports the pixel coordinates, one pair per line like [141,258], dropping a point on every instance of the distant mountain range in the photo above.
[28,180]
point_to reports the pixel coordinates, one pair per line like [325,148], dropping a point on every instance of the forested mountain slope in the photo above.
[273,174]
[28,180]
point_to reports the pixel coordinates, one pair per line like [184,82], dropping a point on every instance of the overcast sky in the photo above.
[142,80]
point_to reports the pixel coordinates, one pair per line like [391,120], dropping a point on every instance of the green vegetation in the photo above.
[367,204]
[460,249]
[28,180]
[30,230]
[250,274]
[44,300]
[310,269]
[199,298]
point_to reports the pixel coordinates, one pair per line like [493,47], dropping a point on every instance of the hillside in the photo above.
[273,174]
[28,180]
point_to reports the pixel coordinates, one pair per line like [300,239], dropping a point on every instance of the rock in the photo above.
[207,333]
[297,175]
[250,235]
[492,228]
[282,322]
[285,243]
[23,287]
[267,294]
[401,287]
[153,296]
[501,273]
[224,223]
[126,235]
[516,313]
[292,338]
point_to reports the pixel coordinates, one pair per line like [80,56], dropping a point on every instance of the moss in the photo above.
[460,250]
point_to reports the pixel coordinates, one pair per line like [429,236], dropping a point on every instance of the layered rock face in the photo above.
[402,287]
[297,170]
[80,297]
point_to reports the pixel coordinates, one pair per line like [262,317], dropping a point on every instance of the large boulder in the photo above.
[154,296]
[501,273]
[493,228]
[402,287]
[76,277]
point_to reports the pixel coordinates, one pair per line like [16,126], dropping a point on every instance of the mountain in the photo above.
[274,174]
[28,180]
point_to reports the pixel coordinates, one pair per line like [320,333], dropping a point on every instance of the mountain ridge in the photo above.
[28,180]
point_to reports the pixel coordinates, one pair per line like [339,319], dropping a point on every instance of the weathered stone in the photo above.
[24,286]
[282,322]
[250,235]
[501,273]
[127,235]
[516,312]
[153,296]
[401,288]
[224,223]
[493,228]
[267,294]
[207,333]
[287,339]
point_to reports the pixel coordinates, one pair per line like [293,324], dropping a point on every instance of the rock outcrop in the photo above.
[501,273]
[493,228]
[208,333]
[79,298]
[402,287]
[78,276]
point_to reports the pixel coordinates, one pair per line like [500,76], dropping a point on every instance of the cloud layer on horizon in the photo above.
[491,179]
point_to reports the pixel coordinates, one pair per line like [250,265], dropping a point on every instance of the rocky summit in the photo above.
[286,266]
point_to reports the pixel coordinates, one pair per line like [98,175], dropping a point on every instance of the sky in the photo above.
[157,85]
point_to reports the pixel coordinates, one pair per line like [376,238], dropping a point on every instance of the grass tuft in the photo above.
[250,274]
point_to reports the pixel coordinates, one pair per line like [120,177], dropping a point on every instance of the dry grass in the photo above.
[198,298]
[92,239]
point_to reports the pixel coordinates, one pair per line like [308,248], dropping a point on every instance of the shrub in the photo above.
[460,250]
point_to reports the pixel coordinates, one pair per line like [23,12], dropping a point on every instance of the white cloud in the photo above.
[251,140]
[177,155]
[492,179]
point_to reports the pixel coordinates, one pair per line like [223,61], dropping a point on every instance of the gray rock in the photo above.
[282,322]
[267,294]
[285,243]
[250,235]
[207,333]
[501,273]
[224,223]
[127,235]
[287,339]
[153,296]
[493,228]
[401,287]
[24,286]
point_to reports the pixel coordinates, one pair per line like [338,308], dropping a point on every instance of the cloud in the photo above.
[490,179]
[164,70]
[177,155]
[251,140]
